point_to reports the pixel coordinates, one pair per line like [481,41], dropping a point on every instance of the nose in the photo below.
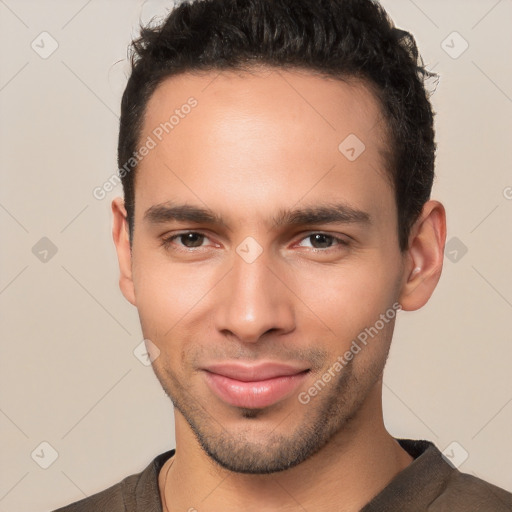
[253,301]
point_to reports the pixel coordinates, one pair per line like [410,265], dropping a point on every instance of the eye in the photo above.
[321,241]
[188,240]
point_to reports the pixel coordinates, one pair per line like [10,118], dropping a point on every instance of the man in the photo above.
[277,160]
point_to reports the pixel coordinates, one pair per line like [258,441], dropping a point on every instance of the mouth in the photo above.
[254,386]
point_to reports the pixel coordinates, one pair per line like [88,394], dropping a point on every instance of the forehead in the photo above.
[272,135]
[306,98]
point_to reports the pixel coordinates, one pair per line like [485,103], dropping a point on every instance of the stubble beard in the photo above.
[327,414]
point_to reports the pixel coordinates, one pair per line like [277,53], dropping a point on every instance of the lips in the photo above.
[253,386]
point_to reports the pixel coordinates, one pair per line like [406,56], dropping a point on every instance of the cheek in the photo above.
[349,298]
[166,293]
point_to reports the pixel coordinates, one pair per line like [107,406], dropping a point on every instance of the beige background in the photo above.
[69,376]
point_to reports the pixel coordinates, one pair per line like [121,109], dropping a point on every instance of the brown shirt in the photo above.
[429,484]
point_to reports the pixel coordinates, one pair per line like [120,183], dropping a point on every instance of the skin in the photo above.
[258,144]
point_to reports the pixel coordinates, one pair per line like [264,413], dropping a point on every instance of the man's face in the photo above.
[286,251]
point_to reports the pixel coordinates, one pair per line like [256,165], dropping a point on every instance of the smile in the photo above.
[253,387]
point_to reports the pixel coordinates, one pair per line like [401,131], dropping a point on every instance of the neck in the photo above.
[345,475]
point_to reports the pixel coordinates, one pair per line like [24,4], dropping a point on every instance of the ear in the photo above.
[120,233]
[424,257]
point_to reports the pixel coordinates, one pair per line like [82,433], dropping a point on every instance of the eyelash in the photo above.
[335,239]
[167,241]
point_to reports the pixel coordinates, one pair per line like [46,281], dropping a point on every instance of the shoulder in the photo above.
[135,492]
[441,487]
[110,499]
[431,482]
[476,494]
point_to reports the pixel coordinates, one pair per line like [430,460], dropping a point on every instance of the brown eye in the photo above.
[321,241]
[191,239]
[188,240]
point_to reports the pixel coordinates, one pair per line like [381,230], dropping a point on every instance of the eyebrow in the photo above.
[168,212]
[321,214]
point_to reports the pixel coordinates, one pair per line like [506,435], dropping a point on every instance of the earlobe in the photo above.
[121,236]
[424,259]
